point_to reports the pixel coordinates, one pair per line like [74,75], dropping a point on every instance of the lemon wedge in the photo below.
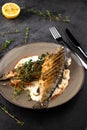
[10,10]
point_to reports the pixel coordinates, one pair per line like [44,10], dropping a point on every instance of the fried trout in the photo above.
[52,71]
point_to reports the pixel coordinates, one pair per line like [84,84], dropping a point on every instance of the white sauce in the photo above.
[33,91]
[22,61]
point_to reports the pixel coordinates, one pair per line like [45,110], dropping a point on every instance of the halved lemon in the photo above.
[10,10]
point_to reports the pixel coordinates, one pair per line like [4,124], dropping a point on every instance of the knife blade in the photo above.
[75,43]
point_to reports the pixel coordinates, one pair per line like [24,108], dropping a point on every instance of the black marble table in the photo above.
[73,114]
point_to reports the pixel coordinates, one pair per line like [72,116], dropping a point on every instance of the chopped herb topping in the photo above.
[31,70]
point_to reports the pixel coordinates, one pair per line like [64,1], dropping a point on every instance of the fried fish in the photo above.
[52,71]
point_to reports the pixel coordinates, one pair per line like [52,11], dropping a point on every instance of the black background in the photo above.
[73,114]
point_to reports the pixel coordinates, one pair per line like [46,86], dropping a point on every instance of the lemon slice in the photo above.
[10,10]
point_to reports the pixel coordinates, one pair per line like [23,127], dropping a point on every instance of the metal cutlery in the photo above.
[56,35]
[75,43]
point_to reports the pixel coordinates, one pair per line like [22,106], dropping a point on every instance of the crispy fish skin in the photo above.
[52,70]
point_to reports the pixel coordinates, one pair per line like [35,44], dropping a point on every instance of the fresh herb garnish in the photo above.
[49,15]
[4,108]
[28,94]
[27,30]
[6,44]
[17,90]
[10,32]
[31,70]
[67,19]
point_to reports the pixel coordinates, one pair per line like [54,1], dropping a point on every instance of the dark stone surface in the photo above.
[73,114]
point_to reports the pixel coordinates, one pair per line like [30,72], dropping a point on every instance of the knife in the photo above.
[75,43]
[56,35]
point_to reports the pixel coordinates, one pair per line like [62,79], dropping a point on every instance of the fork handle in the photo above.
[62,42]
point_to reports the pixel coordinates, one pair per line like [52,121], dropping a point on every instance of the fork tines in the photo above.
[54,32]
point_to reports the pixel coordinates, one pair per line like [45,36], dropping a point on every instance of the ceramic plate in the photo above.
[12,57]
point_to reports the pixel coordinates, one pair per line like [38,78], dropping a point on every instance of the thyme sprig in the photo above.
[4,108]
[6,44]
[49,15]
[27,30]
[10,32]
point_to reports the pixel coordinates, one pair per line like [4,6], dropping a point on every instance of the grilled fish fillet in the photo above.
[52,70]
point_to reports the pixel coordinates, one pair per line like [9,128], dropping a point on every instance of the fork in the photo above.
[56,35]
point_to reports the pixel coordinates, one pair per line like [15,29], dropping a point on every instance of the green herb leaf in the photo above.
[6,44]
[27,30]
[31,70]
[4,108]
[67,19]
[49,15]
[10,32]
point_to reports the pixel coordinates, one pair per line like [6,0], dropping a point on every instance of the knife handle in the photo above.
[75,43]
